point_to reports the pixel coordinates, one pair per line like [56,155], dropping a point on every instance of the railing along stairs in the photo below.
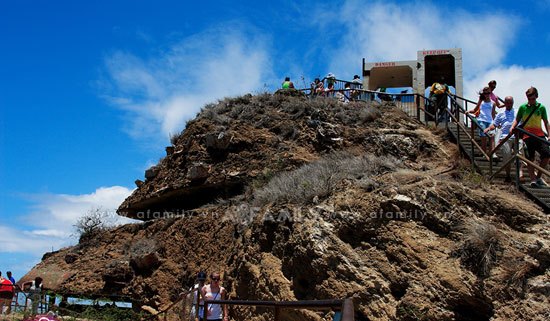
[463,128]
[189,303]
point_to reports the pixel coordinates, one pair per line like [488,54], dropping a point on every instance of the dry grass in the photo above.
[369,114]
[264,110]
[480,246]
[517,271]
[90,226]
[320,178]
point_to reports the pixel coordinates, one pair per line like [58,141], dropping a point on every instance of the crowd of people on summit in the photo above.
[326,87]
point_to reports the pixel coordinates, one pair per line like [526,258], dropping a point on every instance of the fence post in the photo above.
[348,312]
[417,96]
[457,117]
[277,313]
[472,146]
[518,164]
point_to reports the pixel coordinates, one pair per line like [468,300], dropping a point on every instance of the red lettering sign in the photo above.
[384,64]
[435,52]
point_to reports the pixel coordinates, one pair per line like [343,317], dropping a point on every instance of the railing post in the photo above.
[472,158]
[348,311]
[518,161]
[491,153]
[417,107]
[277,313]
[457,116]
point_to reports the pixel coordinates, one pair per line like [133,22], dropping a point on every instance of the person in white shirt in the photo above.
[215,292]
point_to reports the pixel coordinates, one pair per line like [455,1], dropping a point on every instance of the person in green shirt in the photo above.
[287,83]
[529,117]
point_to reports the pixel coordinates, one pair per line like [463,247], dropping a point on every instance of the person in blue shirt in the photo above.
[504,121]
[10,277]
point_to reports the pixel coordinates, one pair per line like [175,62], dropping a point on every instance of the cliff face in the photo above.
[296,199]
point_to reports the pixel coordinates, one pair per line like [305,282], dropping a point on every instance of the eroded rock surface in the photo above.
[396,229]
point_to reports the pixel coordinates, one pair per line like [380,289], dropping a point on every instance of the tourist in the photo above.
[329,91]
[215,292]
[486,110]
[6,294]
[343,96]
[12,280]
[317,87]
[194,293]
[492,85]
[529,118]
[35,293]
[10,277]
[287,84]
[382,94]
[439,98]
[331,79]
[504,121]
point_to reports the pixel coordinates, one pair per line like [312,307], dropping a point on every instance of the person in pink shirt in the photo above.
[492,85]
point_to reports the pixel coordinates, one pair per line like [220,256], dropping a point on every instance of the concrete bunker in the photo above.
[444,65]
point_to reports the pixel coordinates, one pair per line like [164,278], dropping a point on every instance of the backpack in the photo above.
[6,286]
[438,89]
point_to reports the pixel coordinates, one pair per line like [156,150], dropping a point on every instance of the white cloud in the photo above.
[383,31]
[51,221]
[164,91]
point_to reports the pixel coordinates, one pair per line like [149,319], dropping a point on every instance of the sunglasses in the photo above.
[215,279]
[530,96]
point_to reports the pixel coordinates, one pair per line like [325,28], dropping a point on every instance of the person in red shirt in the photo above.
[6,293]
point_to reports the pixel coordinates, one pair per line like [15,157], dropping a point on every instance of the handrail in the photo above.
[368,95]
[164,311]
[494,150]
[472,139]
[518,132]
[523,158]
[521,129]
[470,136]
[345,306]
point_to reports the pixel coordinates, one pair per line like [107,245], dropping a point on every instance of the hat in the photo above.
[201,276]
[356,77]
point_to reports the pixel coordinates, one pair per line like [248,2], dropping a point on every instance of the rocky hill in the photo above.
[295,199]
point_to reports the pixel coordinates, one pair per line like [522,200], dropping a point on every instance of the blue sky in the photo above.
[90,92]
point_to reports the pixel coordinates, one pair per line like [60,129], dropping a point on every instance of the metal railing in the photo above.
[466,123]
[413,104]
[426,110]
[31,303]
[515,155]
[344,307]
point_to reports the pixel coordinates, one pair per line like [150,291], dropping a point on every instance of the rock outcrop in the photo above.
[295,199]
